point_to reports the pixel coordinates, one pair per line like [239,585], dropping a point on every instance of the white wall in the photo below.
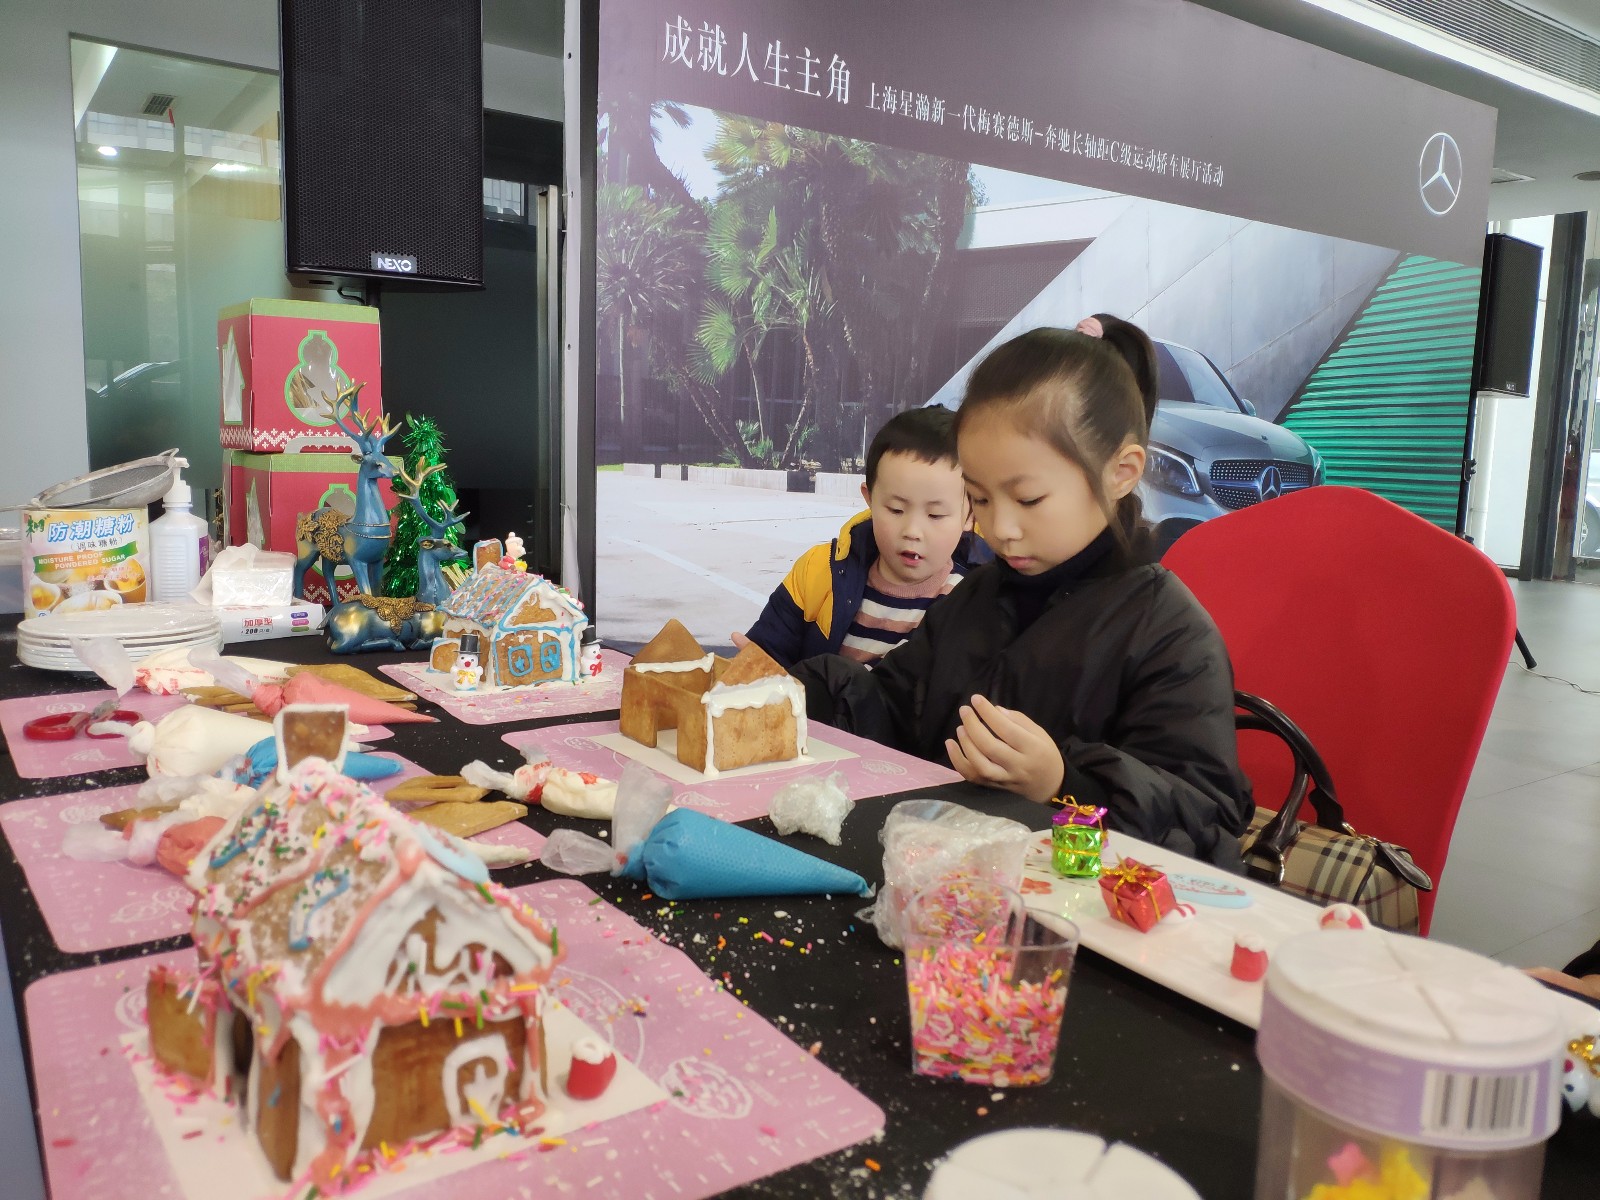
[43,436]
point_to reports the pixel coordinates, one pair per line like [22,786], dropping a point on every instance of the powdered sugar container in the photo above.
[1403,1068]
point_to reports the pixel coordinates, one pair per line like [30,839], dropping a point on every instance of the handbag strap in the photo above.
[1313,781]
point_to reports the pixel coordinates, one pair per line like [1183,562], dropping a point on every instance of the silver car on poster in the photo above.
[1209,452]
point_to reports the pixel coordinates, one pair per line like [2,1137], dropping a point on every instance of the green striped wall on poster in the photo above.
[1387,408]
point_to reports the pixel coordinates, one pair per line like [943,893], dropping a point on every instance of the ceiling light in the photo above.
[108,151]
[1588,176]
[228,168]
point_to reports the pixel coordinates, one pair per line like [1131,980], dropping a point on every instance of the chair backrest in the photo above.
[1385,638]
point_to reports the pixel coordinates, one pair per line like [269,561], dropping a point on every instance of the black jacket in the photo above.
[1125,670]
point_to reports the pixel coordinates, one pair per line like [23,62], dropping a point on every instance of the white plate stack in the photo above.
[141,630]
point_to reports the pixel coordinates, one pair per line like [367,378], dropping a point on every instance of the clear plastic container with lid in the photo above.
[1400,1069]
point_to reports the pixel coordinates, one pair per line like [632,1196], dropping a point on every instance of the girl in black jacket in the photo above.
[1070,665]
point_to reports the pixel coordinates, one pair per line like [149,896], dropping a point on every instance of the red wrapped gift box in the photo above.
[1136,894]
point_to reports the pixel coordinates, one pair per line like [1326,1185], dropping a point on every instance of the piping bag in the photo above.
[686,855]
[304,688]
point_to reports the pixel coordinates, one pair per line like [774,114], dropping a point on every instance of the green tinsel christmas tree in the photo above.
[424,448]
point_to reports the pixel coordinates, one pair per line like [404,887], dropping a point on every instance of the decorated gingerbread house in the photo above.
[361,983]
[727,713]
[530,631]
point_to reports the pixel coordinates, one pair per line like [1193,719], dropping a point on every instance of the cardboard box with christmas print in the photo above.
[266,493]
[283,363]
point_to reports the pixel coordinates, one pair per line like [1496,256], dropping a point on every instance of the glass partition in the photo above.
[179,216]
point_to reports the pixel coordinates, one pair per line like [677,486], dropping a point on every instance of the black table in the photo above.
[1137,1063]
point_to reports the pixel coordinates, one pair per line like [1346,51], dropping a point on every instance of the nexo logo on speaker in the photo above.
[403,264]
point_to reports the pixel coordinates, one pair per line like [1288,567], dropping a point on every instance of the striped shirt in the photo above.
[889,612]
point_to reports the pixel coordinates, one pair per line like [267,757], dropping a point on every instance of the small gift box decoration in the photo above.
[1136,894]
[1077,835]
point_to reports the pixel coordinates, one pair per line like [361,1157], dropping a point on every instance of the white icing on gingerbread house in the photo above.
[530,630]
[392,992]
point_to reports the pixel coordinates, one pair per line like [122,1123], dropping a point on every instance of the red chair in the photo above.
[1380,635]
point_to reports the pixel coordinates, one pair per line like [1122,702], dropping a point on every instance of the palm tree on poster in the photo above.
[877,226]
[743,310]
[646,266]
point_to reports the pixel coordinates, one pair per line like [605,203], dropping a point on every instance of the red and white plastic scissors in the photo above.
[63,727]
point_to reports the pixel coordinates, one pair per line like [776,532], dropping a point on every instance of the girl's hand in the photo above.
[1006,749]
[739,640]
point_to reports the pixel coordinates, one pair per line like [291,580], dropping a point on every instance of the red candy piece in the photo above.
[594,1066]
[1249,959]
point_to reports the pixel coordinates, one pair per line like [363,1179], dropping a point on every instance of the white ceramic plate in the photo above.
[122,621]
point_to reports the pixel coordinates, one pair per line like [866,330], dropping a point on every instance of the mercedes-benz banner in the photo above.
[812,216]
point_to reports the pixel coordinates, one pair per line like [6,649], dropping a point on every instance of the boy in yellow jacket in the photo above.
[863,593]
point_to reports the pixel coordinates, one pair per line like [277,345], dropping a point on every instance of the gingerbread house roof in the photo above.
[321,897]
[750,664]
[493,596]
[672,645]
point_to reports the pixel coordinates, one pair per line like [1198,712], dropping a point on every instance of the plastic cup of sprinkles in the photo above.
[987,984]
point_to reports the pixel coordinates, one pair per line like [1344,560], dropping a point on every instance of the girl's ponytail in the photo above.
[1138,351]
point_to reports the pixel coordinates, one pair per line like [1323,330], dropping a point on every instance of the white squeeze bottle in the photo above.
[180,546]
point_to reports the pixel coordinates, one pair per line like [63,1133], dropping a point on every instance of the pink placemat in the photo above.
[518,704]
[84,755]
[98,905]
[81,755]
[746,1101]
[874,771]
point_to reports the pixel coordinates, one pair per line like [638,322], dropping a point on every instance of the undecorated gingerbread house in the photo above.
[530,631]
[361,983]
[728,713]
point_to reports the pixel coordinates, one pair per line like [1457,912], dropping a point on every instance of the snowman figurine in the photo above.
[468,670]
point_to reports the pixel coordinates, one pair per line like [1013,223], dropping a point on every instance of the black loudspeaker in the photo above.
[383,139]
[1507,313]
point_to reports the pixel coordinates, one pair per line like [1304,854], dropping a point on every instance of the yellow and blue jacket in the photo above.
[810,612]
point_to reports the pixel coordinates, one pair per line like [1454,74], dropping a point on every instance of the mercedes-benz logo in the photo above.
[1439,174]
[1270,484]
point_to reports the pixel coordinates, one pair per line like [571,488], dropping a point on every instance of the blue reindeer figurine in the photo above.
[361,539]
[397,622]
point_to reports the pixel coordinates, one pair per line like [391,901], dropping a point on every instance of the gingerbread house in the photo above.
[726,713]
[530,631]
[361,983]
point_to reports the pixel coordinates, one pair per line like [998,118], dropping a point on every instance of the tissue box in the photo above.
[266,493]
[281,358]
[246,575]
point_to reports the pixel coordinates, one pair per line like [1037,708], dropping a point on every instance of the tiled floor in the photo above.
[1522,882]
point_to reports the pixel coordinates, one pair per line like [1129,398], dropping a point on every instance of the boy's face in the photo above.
[919,511]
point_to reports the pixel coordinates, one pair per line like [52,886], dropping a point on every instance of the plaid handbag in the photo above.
[1329,862]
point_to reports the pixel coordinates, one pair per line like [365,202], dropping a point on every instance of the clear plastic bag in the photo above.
[814,806]
[574,853]
[925,841]
[107,658]
[642,799]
